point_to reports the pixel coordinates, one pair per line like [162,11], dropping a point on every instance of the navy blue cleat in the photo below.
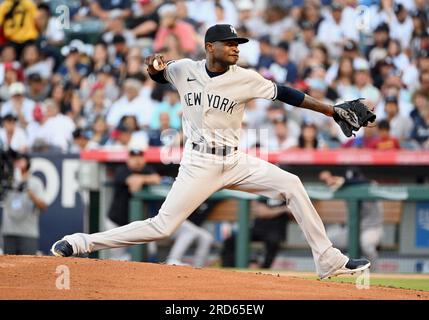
[62,248]
[352,266]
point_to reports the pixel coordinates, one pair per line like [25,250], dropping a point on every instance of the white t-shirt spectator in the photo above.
[204,11]
[402,31]
[332,35]
[140,107]
[54,31]
[27,109]
[19,142]
[56,131]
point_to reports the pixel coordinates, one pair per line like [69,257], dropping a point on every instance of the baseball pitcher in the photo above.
[214,92]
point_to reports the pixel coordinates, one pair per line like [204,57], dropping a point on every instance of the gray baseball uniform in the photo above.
[212,115]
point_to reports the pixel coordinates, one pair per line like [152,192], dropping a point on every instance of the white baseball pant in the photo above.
[200,175]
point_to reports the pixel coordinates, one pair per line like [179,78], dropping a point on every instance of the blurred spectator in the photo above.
[246,12]
[120,137]
[73,69]
[420,102]
[343,82]
[134,67]
[420,132]
[48,26]
[117,26]
[80,141]
[308,138]
[171,105]
[371,224]
[283,70]
[146,24]
[33,62]
[274,22]
[269,226]
[12,136]
[332,30]
[378,51]
[363,86]
[104,78]
[301,47]
[57,123]
[204,12]
[18,34]
[366,141]
[424,82]
[165,135]
[400,126]
[381,71]
[350,50]
[170,24]
[401,26]
[118,52]
[18,105]
[275,111]
[384,140]
[99,131]
[250,51]
[96,106]
[282,140]
[393,86]
[399,58]
[131,103]
[423,61]
[99,59]
[266,52]
[108,9]
[129,178]
[318,58]
[37,89]
[21,209]
[419,33]
[61,94]
[183,13]
[12,73]
[311,12]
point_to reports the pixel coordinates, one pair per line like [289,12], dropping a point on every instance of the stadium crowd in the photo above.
[63,91]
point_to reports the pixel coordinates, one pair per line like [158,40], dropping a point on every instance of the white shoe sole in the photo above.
[344,270]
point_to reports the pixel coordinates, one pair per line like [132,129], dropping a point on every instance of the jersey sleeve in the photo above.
[175,69]
[259,87]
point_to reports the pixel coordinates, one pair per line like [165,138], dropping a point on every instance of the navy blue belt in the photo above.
[221,151]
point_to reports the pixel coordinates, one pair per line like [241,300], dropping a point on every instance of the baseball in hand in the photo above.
[157,66]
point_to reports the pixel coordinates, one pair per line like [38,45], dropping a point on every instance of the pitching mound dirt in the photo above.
[28,277]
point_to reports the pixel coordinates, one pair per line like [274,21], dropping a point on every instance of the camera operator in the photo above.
[21,208]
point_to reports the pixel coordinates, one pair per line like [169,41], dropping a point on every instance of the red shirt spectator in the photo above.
[171,25]
[385,141]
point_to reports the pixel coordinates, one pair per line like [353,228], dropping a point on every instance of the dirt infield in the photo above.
[28,277]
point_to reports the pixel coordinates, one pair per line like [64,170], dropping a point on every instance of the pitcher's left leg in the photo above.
[260,177]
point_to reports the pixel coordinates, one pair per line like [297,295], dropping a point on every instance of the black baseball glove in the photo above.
[352,115]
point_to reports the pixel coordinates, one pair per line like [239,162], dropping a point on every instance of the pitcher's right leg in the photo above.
[194,184]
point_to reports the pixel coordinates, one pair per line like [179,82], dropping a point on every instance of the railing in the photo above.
[352,194]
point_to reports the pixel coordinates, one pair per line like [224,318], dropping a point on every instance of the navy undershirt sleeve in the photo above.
[290,95]
[158,77]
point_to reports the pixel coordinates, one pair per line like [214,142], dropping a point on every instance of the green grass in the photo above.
[416,284]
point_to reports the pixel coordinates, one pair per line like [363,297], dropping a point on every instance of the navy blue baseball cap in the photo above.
[223,32]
